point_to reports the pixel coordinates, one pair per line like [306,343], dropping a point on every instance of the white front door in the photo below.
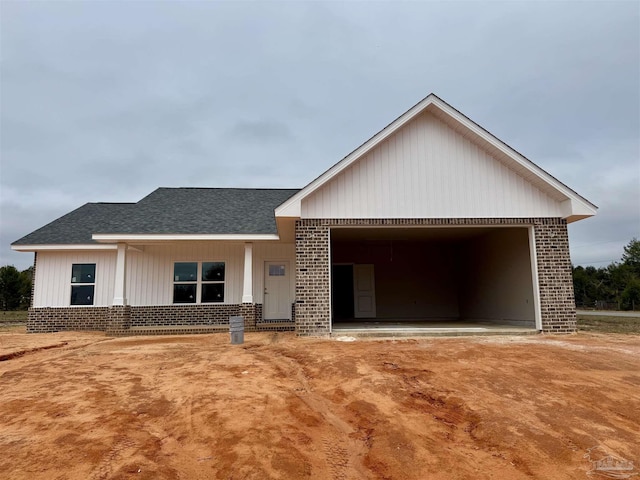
[364,292]
[277,288]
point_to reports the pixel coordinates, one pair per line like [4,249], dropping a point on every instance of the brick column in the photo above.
[313,297]
[119,319]
[248,311]
[557,301]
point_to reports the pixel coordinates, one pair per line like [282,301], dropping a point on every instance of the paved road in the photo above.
[606,313]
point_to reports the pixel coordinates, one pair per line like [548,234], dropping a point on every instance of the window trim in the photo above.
[202,282]
[83,284]
[184,282]
[199,282]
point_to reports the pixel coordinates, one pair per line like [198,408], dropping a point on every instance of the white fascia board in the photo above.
[573,210]
[37,248]
[517,157]
[141,238]
[292,208]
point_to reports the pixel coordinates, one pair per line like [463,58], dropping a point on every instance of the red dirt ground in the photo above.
[195,407]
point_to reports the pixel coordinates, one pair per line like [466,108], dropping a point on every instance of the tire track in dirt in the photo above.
[55,351]
[107,466]
[337,457]
[20,353]
[340,446]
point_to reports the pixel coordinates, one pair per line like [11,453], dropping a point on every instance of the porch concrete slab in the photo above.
[203,329]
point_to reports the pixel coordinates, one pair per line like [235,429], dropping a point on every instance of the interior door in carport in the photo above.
[277,301]
[364,291]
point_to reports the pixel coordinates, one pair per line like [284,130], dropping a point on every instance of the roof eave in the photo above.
[286,210]
[111,238]
[292,207]
[60,247]
[574,209]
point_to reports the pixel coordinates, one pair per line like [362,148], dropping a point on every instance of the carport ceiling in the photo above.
[408,233]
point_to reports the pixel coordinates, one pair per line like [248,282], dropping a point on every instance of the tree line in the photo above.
[615,287]
[15,288]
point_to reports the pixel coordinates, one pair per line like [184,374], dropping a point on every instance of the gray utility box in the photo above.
[236,327]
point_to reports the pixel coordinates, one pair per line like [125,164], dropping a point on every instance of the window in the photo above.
[212,282]
[195,282]
[185,277]
[276,271]
[83,283]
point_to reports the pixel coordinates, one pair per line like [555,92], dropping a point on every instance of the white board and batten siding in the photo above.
[428,170]
[53,277]
[149,277]
[150,272]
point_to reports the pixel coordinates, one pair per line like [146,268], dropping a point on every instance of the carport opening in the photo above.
[455,276]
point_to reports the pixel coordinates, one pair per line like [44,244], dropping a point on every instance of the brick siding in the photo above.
[311,312]
[557,300]
[183,314]
[147,320]
[58,319]
[313,303]
[313,297]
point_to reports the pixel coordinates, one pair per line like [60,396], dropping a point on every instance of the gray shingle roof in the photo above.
[169,211]
[77,226]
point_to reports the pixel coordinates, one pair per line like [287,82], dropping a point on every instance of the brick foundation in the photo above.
[183,314]
[146,320]
[59,319]
[313,307]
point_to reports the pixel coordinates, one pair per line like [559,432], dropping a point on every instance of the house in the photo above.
[433,219]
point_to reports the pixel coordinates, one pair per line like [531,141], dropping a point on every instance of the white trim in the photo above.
[517,157]
[247,280]
[329,257]
[292,207]
[199,282]
[37,248]
[164,237]
[120,281]
[405,227]
[93,284]
[534,278]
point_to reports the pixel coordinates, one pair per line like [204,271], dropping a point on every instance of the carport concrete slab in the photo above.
[425,329]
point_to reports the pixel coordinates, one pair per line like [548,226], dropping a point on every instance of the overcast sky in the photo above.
[106,101]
